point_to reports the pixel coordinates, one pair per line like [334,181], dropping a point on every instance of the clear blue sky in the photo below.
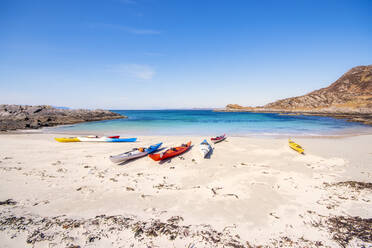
[145,54]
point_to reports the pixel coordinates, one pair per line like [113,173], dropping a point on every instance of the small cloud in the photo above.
[139,31]
[144,72]
[126,29]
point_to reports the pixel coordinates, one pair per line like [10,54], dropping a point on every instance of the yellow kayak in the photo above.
[295,146]
[70,139]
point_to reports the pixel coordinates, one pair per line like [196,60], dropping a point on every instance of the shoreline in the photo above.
[258,135]
[344,133]
[364,118]
[263,136]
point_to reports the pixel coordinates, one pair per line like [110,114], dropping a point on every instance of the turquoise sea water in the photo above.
[207,122]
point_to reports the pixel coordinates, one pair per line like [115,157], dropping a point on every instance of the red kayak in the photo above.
[171,152]
[114,137]
[218,138]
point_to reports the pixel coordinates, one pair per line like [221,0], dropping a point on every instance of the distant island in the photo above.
[13,117]
[349,97]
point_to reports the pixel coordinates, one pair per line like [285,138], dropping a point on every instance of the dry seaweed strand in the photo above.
[352,184]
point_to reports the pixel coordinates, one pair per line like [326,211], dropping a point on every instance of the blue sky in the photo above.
[148,54]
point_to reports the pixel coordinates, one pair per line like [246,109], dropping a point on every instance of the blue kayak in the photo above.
[122,140]
[153,148]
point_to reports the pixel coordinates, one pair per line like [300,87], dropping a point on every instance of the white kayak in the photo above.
[205,148]
[134,153]
[93,138]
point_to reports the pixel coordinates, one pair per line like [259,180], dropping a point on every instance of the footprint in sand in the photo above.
[62,170]
[145,196]
[85,189]
[52,185]
[214,190]
[234,195]
[150,210]
[273,215]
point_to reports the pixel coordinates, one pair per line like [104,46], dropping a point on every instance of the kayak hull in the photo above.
[172,152]
[153,148]
[95,139]
[218,139]
[296,147]
[205,148]
[121,158]
[70,139]
[122,140]
[92,139]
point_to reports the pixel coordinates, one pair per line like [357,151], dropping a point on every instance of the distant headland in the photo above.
[349,97]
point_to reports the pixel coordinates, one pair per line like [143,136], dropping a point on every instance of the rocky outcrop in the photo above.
[349,97]
[352,91]
[14,117]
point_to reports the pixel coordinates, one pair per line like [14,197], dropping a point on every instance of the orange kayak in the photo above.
[171,152]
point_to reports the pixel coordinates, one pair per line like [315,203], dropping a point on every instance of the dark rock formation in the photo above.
[350,97]
[14,117]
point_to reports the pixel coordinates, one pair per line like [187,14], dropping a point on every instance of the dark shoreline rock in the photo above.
[13,117]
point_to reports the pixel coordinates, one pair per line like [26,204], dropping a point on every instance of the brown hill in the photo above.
[352,91]
[350,97]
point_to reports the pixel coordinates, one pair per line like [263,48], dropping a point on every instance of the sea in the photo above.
[208,122]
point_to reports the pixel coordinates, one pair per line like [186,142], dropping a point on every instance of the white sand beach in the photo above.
[250,192]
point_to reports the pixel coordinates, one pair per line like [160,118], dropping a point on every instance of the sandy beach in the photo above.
[251,192]
[288,82]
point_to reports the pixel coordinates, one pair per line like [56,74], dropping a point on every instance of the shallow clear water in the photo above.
[207,122]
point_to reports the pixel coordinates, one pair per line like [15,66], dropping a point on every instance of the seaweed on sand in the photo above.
[344,229]
[352,184]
